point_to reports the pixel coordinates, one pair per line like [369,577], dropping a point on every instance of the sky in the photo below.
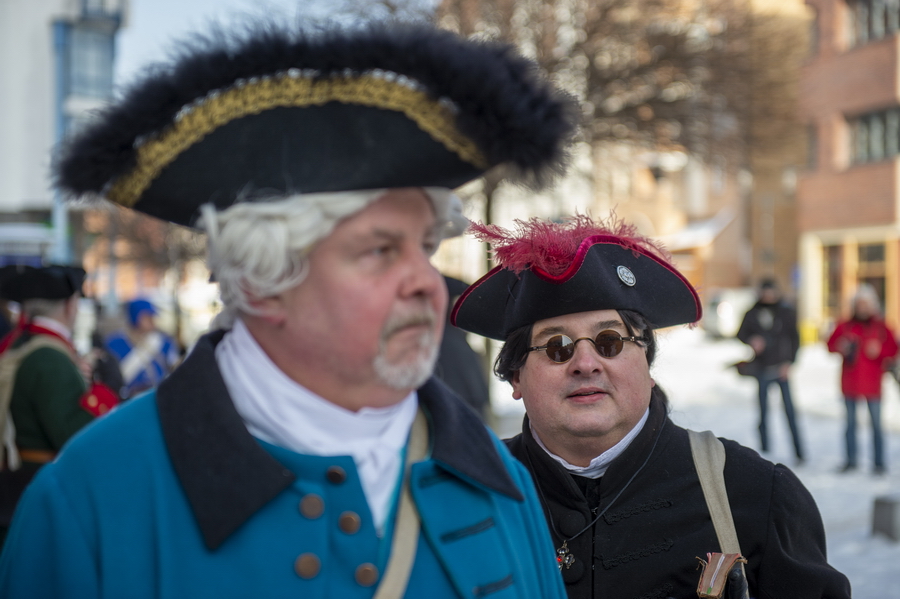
[151,26]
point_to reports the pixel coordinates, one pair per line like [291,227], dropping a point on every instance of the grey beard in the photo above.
[409,375]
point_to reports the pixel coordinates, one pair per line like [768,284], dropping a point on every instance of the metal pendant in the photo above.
[563,557]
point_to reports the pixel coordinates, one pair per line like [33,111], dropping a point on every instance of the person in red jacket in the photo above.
[866,343]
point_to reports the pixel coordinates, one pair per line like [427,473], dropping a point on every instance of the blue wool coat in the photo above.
[170,496]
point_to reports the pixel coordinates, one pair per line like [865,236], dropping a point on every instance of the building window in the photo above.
[812,147]
[873,20]
[832,261]
[814,33]
[875,136]
[872,269]
[91,62]
[98,7]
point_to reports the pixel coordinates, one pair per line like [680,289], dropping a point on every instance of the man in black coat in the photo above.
[770,329]
[460,366]
[577,305]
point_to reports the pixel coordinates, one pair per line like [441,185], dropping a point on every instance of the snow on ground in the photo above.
[706,394]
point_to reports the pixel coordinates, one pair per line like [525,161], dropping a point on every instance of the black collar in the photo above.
[227,476]
[561,488]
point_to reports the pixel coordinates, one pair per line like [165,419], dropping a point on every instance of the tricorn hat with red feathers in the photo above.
[551,269]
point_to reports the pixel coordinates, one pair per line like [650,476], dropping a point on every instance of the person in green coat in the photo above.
[43,391]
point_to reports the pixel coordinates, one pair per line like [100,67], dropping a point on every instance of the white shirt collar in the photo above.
[54,325]
[278,410]
[599,464]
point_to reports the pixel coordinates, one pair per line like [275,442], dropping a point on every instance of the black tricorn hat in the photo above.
[54,282]
[553,269]
[275,112]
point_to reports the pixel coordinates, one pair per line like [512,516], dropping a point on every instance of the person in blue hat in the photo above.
[146,355]
[303,448]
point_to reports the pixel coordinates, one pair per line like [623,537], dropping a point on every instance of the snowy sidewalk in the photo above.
[706,394]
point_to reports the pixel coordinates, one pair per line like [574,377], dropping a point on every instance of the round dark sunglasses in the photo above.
[609,344]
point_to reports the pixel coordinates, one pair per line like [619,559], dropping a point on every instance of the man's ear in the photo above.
[71,305]
[514,381]
[269,309]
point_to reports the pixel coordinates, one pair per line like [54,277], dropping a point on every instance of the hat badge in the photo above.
[626,276]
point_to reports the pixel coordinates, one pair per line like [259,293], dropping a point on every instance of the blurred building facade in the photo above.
[728,215]
[847,203]
[56,65]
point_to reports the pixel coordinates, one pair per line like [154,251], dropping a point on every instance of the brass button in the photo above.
[336,475]
[366,575]
[307,565]
[349,522]
[312,506]
[92,401]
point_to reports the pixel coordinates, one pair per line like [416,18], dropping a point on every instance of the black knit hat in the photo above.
[21,283]
[277,112]
[552,269]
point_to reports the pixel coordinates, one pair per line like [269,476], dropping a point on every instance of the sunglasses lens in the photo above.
[609,344]
[560,348]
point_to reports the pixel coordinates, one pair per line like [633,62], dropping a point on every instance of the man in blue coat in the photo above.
[302,449]
[145,354]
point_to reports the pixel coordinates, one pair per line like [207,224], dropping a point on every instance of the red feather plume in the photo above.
[552,246]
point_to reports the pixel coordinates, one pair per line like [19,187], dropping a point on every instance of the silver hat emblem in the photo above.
[626,276]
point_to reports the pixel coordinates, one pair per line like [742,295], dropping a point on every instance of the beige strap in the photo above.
[406,529]
[709,460]
[9,366]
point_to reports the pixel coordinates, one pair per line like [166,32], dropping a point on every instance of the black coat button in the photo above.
[575,572]
[570,523]
[336,475]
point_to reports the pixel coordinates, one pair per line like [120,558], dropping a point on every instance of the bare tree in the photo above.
[658,73]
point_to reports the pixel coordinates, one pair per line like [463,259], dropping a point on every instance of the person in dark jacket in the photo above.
[866,343]
[770,329]
[459,366]
[577,304]
[303,449]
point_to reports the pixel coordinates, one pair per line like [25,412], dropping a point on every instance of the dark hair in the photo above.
[768,283]
[514,352]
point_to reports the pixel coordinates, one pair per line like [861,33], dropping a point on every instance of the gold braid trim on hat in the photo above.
[284,90]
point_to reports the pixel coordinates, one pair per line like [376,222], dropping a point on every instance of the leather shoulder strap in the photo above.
[709,460]
[406,529]
[10,360]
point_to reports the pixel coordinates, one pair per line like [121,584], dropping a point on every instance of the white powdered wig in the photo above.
[259,249]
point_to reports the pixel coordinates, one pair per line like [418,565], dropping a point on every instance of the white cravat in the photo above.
[599,464]
[282,412]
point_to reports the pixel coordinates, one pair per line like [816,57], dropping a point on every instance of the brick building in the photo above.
[847,199]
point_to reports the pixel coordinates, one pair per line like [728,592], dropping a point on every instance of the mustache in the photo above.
[398,322]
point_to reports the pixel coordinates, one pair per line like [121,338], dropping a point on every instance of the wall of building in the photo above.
[847,207]
[27,88]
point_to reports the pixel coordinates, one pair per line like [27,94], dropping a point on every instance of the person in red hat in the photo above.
[44,396]
[577,304]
